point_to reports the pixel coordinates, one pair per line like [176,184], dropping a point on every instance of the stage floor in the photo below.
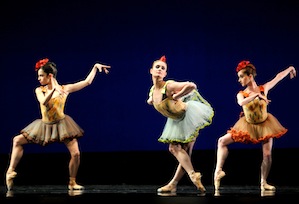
[57,194]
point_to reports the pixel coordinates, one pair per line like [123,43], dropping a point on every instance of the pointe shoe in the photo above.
[267,187]
[74,186]
[217,177]
[196,179]
[217,193]
[169,188]
[10,193]
[9,179]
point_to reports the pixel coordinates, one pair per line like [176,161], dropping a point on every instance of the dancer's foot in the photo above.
[196,179]
[169,188]
[267,187]
[10,193]
[74,186]
[217,177]
[9,179]
[217,193]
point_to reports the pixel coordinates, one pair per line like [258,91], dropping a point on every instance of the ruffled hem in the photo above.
[198,115]
[43,133]
[189,139]
[245,132]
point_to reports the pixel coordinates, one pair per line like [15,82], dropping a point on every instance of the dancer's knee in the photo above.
[76,154]
[18,140]
[220,142]
[267,156]
[174,148]
[225,140]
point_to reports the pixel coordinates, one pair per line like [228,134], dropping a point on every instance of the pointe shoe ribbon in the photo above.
[218,176]
[9,179]
[169,188]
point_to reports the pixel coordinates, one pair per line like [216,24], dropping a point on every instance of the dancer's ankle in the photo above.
[190,173]
[173,182]
[10,169]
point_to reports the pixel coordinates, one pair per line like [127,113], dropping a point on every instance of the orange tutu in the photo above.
[245,132]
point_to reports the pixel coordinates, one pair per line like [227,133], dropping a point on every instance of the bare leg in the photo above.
[16,155]
[266,165]
[74,164]
[222,153]
[179,173]
[185,161]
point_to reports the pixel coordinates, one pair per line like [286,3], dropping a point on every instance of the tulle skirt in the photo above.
[245,132]
[43,133]
[198,115]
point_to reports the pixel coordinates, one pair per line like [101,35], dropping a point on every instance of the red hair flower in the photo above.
[163,58]
[242,65]
[41,63]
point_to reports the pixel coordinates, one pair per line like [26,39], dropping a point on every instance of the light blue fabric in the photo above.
[199,114]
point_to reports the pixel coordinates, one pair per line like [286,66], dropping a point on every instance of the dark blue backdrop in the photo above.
[202,40]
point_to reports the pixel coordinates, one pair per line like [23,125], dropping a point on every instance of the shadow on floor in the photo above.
[48,194]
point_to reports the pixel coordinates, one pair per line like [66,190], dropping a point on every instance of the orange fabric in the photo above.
[255,124]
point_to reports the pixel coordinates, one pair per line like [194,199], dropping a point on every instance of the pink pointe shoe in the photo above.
[196,179]
[169,188]
[74,186]
[217,177]
[9,179]
[267,187]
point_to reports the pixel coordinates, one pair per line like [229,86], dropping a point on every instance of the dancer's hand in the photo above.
[292,72]
[102,67]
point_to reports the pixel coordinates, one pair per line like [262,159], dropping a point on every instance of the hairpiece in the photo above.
[163,58]
[242,65]
[41,63]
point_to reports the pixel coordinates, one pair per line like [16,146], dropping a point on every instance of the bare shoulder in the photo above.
[38,89]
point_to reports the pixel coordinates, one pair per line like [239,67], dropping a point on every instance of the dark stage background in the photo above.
[203,42]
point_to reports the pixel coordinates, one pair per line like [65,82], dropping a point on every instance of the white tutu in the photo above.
[199,114]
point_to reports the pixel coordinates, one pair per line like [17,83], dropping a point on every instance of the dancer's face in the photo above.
[243,78]
[159,69]
[43,77]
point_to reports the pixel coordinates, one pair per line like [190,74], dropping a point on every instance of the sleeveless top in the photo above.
[256,110]
[54,110]
[168,107]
